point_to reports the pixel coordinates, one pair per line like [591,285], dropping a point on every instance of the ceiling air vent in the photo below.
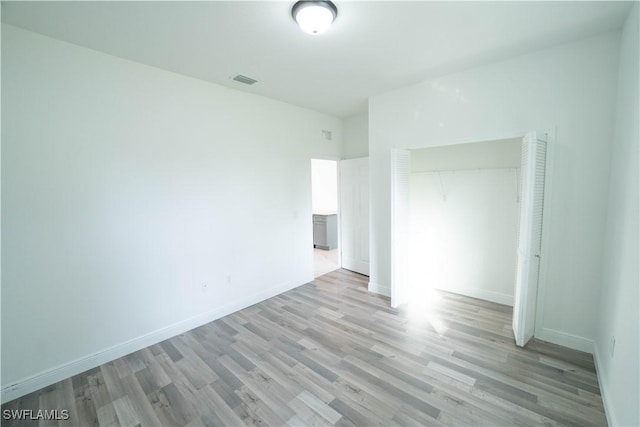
[244,79]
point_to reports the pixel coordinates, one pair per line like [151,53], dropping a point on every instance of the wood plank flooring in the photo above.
[330,353]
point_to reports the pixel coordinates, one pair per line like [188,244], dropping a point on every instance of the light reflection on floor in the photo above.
[422,309]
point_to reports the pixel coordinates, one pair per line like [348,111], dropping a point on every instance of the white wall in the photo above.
[619,305]
[569,87]
[125,189]
[479,155]
[464,219]
[356,136]
[324,186]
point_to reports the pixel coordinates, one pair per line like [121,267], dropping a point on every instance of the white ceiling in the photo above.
[372,47]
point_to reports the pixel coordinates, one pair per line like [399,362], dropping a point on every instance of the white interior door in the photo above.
[354,214]
[534,149]
[400,171]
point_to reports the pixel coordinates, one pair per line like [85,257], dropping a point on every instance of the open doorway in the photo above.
[324,195]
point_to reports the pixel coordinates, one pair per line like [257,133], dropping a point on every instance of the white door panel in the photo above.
[534,149]
[354,214]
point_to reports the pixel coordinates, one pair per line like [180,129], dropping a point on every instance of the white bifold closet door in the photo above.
[534,150]
[400,170]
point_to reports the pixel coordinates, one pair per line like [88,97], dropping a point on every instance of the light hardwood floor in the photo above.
[330,353]
[325,261]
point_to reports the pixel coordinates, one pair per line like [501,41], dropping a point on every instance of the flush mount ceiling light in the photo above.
[314,17]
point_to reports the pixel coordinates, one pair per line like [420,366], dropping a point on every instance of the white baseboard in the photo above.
[379,289]
[69,369]
[565,339]
[604,393]
[496,297]
[589,346]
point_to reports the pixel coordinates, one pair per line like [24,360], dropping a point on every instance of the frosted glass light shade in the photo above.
[314,17]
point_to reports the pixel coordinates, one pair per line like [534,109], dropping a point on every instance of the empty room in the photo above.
[166,261]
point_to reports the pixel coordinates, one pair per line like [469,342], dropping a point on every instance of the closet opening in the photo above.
[464,206]
[468,219]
